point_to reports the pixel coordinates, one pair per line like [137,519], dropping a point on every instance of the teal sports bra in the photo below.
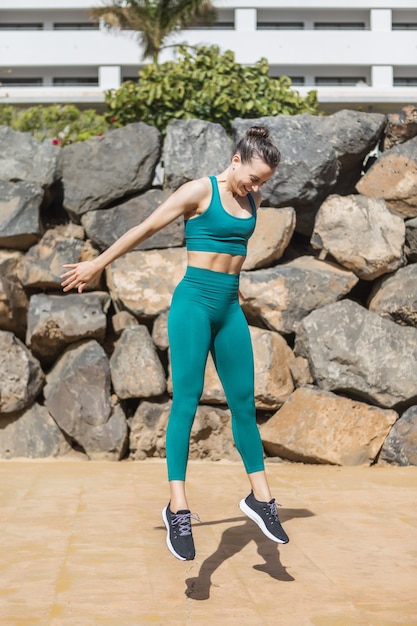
[216,230]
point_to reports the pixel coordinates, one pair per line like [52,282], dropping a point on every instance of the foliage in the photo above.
[154,20]
[63,124]
[208,85]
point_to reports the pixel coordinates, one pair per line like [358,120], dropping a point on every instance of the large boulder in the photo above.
[282,295]
[21,376]
[13,299]
[103,170]
[400,447]
[104,226]
[393,177]
[77,395]
[320,155]
[316,426]
[143,281]
[395,297]
[193,149]
[19,214]
[361,234]
[400,127]
[55,322]
[411,240]
[358,353]
[31,434]
[136,370]
[273,232]
[23,158]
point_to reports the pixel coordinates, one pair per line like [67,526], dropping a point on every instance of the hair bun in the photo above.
[257,131]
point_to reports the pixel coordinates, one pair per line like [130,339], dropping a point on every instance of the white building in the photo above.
[356,53]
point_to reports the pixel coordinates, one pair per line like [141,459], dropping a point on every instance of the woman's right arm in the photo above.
[184,201]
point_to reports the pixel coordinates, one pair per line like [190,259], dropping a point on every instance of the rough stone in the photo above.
[43,263]
[400,447]
[393,177]
[21,376]
[193,149]
[19,214]
[104,226]
[54,322]
[160,331]
[13,300]
[23,158]
[355,352]
[31,434]
[77,395]
[411,240]
[122,320]
[315,426]
[211,435]
[143,281]
[283,295]
[273,232]
[136,370]
[400,127]
[103,170]
[395,297]
[361,234]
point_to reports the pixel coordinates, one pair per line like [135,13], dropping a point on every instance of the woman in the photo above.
[205,315]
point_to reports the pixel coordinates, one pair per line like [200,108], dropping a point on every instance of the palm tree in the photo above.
[154,20]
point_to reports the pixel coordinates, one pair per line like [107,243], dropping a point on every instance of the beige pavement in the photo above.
[83,544]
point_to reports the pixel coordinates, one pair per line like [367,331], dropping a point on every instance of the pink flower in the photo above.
[55,141]
[100,134]
[113,119]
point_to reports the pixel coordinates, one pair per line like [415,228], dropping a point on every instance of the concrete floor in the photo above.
[83,544]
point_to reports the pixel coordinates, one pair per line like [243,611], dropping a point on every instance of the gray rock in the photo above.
[316,426]
[283,295]
[13,299]
[357,353]
[43,263]
[361,234]
[54,322]
[21,376]
[411,240]
[104,226]
[400,127]
[143,281]
[393,177]
[102,170]
[193,149]
[320,155]
[136,370]
[400,447]
[31,434]
[211,435]
[77,395]
[19,214]
[395,297]
[273,232]
[23,158]
[160,331]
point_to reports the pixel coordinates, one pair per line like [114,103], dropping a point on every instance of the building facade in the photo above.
[357,54]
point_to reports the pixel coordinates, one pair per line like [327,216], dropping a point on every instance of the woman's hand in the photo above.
[79,275]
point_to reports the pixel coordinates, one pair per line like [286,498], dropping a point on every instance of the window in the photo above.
[405,82]
[21,26]
[339,25]
[76,26]
[404,26]
[75,82]
[20,82]
[280,25]
[297,81]
[215,26]
[335,81]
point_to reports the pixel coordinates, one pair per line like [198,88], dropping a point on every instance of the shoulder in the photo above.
[195,194]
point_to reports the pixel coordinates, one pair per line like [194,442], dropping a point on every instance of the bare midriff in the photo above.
[216,261]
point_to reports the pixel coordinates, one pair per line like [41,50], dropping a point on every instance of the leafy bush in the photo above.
[205,84]
[63,124]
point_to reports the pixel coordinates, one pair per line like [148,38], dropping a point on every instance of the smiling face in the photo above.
[250,176]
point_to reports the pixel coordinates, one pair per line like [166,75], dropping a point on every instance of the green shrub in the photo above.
[63,124]
[204,84]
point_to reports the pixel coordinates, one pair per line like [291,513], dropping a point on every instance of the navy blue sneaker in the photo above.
[266,516]
[179,536]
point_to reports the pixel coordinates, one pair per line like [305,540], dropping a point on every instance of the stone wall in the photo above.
[329,287]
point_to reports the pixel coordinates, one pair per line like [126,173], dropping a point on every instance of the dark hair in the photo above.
[256,143]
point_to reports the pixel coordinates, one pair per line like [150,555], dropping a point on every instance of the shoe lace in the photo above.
[273,512]
[183,520]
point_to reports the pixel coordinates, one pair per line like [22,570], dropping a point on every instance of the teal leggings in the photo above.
[205,316]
